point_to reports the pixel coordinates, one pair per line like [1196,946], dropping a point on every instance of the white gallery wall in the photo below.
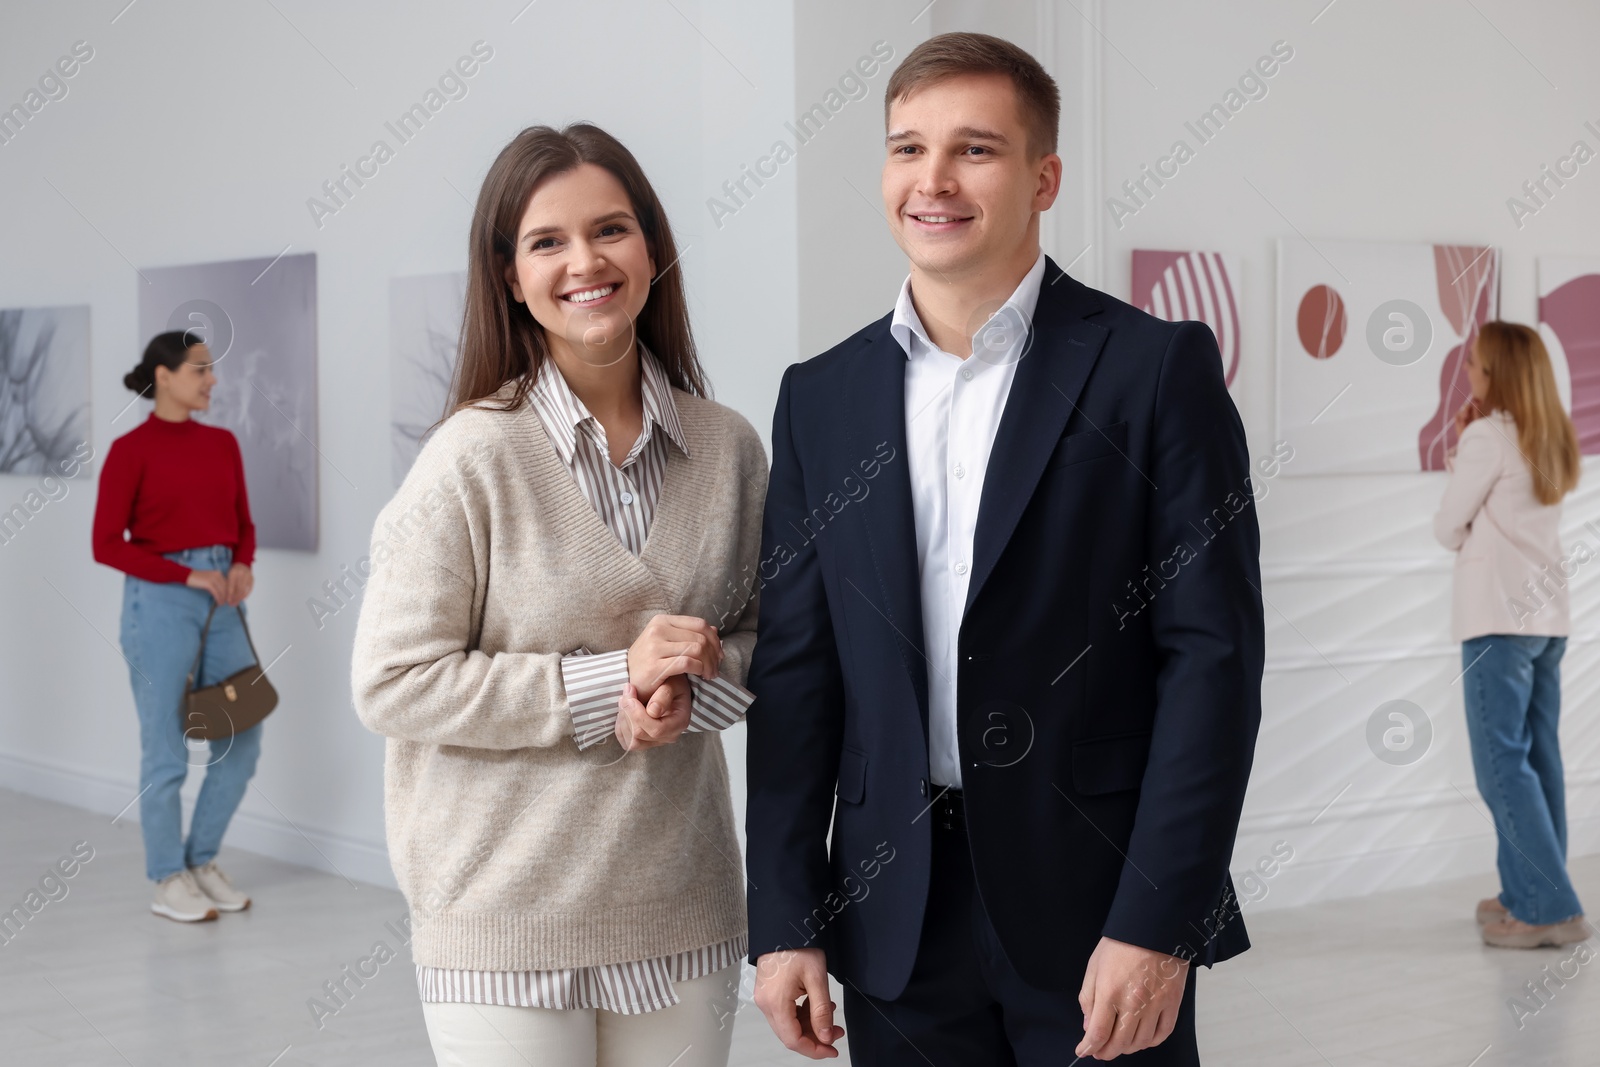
[197,134]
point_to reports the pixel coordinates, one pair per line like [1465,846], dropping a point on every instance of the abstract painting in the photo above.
[1372,342]
[1202,286]
[259,318]
[1569,323]
[424,330]
[44,387]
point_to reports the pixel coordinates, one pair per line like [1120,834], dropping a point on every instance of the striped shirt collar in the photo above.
[564,413]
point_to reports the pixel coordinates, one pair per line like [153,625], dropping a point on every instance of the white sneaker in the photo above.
[178,897]
[214,884]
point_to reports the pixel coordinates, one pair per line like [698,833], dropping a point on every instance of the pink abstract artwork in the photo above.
[1468,278]
[1198,286]
[1321,321]
[1569,320]
[1372,339]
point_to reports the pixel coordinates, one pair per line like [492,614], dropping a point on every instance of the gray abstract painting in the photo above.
[44,387]
[259,318]
[424,330]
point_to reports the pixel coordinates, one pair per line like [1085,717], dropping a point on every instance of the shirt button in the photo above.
[922,786]
[961,472]
[966,373]
[626,497]
[961,568]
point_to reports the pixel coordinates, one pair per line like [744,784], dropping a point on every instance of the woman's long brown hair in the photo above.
[500,339]
[1522,383]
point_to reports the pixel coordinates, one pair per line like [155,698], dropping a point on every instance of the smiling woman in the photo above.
[175,487]
[571,162]
[614,507]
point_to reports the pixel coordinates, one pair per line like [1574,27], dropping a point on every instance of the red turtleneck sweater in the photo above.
[171,485]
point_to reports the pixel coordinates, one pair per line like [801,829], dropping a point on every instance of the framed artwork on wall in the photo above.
[1371,346]
[259,318]
[424,333]
[1569,323]
[1202,286]
[44,387]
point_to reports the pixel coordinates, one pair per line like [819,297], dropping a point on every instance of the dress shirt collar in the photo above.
[563,413]
[1016,312]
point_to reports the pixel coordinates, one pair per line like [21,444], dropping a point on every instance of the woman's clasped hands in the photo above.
[654,707]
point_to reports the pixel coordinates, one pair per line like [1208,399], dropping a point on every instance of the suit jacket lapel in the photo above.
[877,401]
[1061,350]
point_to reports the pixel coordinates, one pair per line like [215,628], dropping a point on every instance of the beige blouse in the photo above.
[1510,575]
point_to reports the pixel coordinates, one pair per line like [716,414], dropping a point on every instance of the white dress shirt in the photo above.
[953,409]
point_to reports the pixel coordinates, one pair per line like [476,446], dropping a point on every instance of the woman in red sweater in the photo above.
[176,488]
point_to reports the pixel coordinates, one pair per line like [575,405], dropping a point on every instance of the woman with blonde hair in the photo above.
[1516,457]
[554,632]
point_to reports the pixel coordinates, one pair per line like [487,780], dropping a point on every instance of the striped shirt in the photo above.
[625,498]
[624,988]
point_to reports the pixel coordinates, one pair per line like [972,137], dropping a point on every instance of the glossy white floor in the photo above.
[93,978]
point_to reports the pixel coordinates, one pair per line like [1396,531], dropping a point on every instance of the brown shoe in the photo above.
[1514,933]
[1491,910]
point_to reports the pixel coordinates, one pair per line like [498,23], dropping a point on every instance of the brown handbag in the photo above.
[232,706]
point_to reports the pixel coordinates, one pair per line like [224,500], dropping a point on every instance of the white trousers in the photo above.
[698,1030]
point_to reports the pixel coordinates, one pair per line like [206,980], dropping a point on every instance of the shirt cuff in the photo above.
[718,703]
[594,683]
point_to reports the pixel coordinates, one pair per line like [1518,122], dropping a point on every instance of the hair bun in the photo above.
[137,380]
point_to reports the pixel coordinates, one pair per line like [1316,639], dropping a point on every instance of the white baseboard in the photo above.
[1301,881]
[348,857]
[1304,880]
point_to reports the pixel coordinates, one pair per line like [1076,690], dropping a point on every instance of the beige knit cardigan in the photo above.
[515,850]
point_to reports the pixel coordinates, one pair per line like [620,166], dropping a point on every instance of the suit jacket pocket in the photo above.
[1111,440]
[852,775]
[1110,764]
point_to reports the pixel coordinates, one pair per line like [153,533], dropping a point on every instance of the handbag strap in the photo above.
[194,671]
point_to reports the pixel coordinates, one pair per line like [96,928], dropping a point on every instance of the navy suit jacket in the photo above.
[1110,655]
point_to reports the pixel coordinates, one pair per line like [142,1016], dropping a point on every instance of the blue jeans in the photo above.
[161,625]
[1512,688]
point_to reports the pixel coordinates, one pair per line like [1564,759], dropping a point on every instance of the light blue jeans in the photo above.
[161,625]
[1512,688]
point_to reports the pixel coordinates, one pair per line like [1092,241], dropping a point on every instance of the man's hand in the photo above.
[659,722]
[673,644]
[1130,999]
[782,978]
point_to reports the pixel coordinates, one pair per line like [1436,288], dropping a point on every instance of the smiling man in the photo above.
[1032,792]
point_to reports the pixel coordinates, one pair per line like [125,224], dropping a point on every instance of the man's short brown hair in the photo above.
[950,55]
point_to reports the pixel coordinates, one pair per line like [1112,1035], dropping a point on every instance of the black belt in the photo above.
[949,809]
